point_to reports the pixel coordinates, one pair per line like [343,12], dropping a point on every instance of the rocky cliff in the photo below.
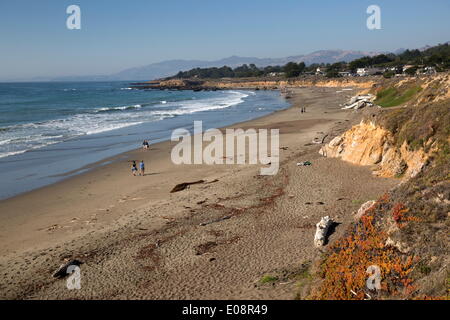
[399,141]
[305,82]
[370,144]
[404,233]
[256,83]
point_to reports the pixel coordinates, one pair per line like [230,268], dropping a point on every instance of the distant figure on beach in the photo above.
[142,168]
[145,145]
[134,168]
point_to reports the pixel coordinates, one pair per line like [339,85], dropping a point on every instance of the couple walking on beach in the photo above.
[134,169]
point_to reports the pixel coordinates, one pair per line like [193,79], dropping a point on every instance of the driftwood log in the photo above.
[184,185]
[214,221]
[62,270]
[322,231]
[358,102]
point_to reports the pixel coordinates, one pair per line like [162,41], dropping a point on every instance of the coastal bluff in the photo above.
[407,139]
[398,140]
[254,83]
[370,144]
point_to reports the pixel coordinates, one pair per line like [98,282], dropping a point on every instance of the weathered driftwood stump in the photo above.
[62,270]
[363,209]
[322,230]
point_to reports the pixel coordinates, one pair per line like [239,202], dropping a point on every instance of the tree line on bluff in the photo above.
[437,57]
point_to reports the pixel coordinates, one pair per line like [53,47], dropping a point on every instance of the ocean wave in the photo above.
[20,138]
[112,127]
[7,141]
[106,109]
[235,98]
[7,154]
[29,148]
[208,104]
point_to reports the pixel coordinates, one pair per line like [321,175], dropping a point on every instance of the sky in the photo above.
[115,35]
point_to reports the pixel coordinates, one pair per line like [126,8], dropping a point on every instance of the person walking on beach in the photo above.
[134,168]
[142,168]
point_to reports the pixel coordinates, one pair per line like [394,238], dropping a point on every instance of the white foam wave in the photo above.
[7,154]
[6,141]
[235,98]
[112,127]
[19,138]
[136,106]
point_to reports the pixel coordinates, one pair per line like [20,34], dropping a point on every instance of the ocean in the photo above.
[50,131]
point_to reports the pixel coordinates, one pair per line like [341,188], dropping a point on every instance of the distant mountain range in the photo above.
[172,67]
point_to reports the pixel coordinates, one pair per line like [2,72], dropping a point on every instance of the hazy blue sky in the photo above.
[34,40]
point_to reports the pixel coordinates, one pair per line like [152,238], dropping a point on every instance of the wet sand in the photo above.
[214,240]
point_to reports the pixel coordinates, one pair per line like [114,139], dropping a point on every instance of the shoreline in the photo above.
[95,167]
[84,153]
[105,161]
[106,217]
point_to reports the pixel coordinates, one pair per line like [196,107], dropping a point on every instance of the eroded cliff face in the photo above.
[406,228]
[277,84]
[436,89]
[370,144]
[255,83]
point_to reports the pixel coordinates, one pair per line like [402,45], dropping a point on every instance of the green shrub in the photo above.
[268,278]
[388,74]
[392,97]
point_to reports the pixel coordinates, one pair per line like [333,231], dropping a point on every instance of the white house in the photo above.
[362,72]
[345,73]
[321,71]
[429,70]
[276,74]
[406,67]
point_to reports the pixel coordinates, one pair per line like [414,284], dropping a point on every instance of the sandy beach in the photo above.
[214,240]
